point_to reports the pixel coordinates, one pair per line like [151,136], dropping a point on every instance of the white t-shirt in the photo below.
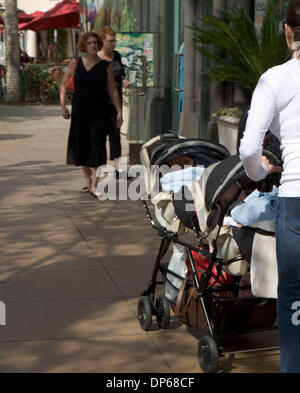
[275,106]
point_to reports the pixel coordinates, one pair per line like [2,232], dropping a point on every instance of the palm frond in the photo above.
[237,52]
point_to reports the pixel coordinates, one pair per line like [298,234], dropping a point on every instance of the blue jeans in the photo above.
[288,305]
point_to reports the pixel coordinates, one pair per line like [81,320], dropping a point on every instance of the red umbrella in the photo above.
[23,21]
[62,15]
[33,15]
[22,18]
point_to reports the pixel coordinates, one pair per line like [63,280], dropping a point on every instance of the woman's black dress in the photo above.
[89,121]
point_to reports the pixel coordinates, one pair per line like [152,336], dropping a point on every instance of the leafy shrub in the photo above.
[42,83]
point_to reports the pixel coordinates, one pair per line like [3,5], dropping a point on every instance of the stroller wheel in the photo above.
[208,356]
[145,312]
[162,311]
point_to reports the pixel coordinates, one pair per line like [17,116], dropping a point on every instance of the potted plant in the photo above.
[228,122]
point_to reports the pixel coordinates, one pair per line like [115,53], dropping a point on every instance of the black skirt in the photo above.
[87,137]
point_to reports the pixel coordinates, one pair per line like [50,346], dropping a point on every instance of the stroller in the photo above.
[206,297]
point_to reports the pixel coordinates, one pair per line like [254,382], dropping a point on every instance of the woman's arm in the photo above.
[125,82]
[261,113]
[114,95]
[62,94]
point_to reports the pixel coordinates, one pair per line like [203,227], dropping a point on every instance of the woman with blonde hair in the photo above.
[94,79]
[275,106]
[107,52]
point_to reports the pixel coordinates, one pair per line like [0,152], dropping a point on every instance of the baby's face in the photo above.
[182,161]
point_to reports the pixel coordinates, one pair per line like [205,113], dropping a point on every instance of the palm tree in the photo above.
[239,53]
[12,51]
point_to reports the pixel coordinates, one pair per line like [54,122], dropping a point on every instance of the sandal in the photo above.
[85,189]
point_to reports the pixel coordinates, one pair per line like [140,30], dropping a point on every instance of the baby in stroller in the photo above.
[249,210]
[211,193]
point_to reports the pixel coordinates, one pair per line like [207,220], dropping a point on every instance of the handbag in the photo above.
[70,83]
[188,308]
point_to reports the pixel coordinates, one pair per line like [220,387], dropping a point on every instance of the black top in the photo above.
[90,86]
[118,69]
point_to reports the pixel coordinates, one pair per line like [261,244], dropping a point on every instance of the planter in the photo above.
[228,132]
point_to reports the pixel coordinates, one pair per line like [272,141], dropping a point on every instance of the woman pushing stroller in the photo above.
[275,106]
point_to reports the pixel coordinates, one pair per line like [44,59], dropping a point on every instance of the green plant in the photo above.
[232,112]
[239,53]
[50,89]
[34,77]
[42,83]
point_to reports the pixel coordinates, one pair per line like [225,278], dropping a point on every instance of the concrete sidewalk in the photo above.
[72,267]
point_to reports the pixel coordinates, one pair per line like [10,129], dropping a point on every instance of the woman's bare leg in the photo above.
[87,177]
[117,164]
[94,182]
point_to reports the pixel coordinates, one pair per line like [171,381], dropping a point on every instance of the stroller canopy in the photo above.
[203,152]
[223,174]
[165,147]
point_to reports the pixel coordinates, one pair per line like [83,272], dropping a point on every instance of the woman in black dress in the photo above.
[94,79]
[107,52]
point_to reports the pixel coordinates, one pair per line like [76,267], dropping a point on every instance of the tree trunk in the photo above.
[12,51]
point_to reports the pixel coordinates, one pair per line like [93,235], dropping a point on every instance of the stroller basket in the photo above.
[229,315]
[242,316]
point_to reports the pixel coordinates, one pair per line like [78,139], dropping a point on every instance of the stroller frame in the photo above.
[212,342]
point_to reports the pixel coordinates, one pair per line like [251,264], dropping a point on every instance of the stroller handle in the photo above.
[152,222]
[162,231]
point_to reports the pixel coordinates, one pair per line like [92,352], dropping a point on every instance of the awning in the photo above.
[62,15]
